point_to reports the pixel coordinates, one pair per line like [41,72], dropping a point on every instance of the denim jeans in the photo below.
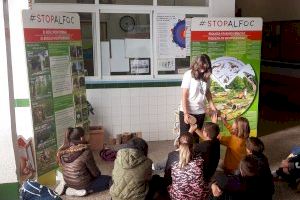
[99,184]
[32,190]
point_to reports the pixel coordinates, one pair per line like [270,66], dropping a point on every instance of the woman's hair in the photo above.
[249,166]
[201,62]
[255,145]
[139,144]
[243,128]
[72,136]
[185,149]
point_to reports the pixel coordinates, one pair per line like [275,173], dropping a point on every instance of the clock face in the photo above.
[127,23]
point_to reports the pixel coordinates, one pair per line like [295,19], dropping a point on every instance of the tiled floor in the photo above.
[277,147]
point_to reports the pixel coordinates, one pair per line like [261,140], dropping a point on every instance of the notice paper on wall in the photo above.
[137,48]
[119,63]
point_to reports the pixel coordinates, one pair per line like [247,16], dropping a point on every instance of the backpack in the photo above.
[32,190]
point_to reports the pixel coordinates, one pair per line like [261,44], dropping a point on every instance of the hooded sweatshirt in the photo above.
[131,173]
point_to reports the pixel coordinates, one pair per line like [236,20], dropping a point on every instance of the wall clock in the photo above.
[127,23]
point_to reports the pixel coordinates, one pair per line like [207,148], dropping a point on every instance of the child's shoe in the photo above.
[74,192]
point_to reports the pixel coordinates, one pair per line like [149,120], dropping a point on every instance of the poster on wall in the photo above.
[54,60]
[234,46]
[170,45]
[173,33]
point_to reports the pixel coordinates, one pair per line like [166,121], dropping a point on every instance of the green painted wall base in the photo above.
[9,191]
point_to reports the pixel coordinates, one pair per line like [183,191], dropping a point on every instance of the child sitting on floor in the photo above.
[235,143]
[289,170]
[249,184]
[80,172]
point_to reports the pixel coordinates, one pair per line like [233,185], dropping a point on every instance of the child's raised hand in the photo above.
[214,117]
[193,128]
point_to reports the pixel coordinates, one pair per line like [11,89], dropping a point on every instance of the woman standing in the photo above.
[195,89]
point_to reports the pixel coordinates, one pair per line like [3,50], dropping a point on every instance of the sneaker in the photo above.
[74,192]
[61,188]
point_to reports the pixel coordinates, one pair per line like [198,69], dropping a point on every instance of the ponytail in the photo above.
[184,155]
[185,149]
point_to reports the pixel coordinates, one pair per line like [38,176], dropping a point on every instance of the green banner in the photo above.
[233,45]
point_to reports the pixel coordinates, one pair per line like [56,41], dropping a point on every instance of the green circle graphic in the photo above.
[233,86]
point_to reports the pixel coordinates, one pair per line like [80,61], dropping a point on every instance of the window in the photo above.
[127,2]
[65,1]
[182,2]
[87,42]
[126,46]
[128,39]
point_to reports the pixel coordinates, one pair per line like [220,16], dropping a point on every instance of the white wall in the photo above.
[19,67]
[150,110]
[274,10]
[7,129]
[221,8]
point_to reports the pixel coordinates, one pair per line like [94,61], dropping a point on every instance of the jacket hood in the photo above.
[72,153]
[130,158]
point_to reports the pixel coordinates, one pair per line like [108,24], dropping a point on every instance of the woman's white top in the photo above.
[197,91]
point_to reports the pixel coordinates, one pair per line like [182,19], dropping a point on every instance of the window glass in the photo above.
[127,2]
[65,1]
[87,42]
[125,44]
[182,2]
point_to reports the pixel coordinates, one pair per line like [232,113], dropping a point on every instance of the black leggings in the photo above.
[184,128]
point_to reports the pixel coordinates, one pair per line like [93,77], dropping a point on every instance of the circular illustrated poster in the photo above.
[179,33]
[233,86]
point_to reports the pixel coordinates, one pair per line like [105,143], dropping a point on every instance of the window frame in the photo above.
[96,8]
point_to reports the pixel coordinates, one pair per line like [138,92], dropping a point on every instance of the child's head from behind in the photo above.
[241,127]
[139,144]
[254,146]
[249,166]
[211,130]
[75,135]
[185,149]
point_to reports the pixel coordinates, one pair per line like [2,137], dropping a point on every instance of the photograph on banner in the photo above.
[75,82]
[40,87]
[85,113]
[76,50]
[42,111]
[78,115]
[27,166]
[233,45]
[45,135]
[46,159]
[81,81]
[77,68]
[37,58]
[83,99]
[77,99]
